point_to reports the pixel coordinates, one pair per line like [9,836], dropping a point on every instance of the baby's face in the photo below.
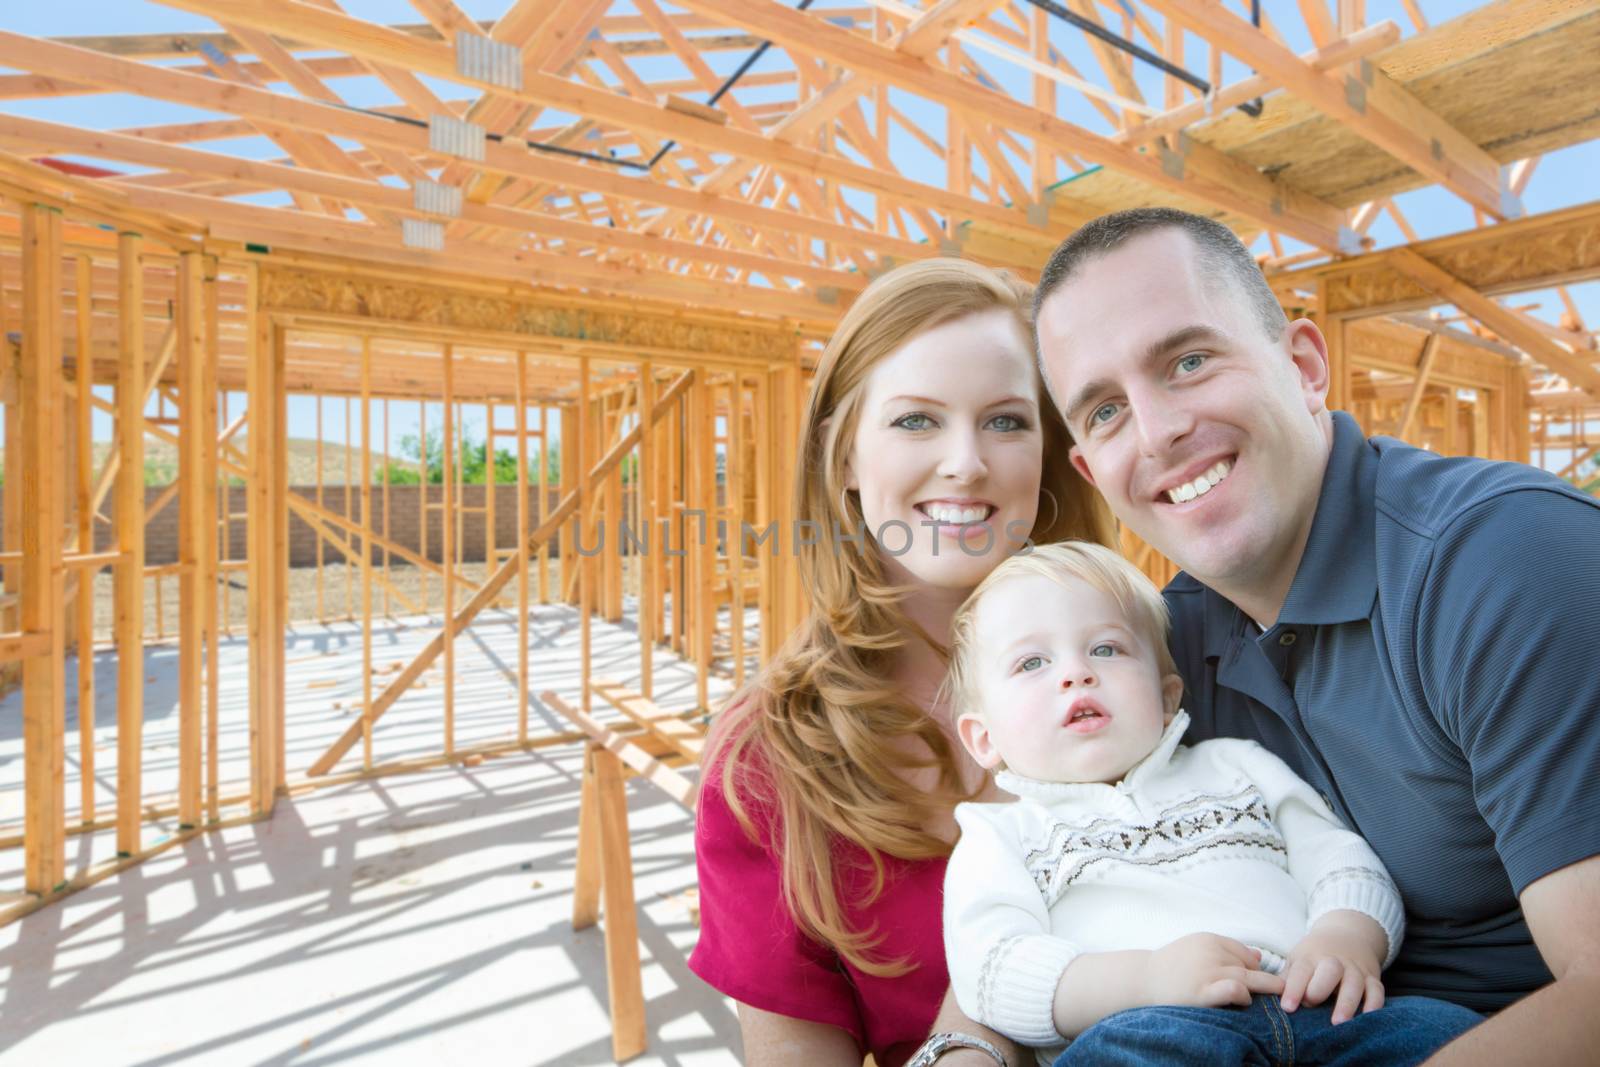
[1071,691]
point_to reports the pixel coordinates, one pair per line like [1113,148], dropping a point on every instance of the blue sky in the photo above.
[1561,179]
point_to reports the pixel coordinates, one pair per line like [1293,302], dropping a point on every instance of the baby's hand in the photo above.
[1207,971]
[1340,953]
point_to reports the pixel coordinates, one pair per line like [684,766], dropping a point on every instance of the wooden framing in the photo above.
[129,578]
[43,590]
[655,330]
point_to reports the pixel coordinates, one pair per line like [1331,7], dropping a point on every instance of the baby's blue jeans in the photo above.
[1406,1030]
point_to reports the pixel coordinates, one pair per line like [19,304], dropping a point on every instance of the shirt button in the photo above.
[1286,638]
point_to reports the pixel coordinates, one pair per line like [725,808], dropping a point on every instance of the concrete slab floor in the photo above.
[418,918]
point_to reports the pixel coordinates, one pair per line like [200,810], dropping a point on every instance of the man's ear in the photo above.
[1080,465]
[1308,349]
[976,740]
[1171,696]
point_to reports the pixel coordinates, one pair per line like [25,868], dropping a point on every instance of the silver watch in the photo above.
[939,1044]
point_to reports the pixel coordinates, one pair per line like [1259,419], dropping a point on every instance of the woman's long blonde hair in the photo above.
[819,738]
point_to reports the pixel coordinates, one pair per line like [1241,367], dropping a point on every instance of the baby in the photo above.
[1149,902]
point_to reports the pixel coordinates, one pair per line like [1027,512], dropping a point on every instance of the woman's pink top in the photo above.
[751,949]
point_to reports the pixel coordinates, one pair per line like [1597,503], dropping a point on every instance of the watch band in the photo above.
[938,1044]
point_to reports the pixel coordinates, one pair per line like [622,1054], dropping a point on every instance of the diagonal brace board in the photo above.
[498,580]
[1499,318]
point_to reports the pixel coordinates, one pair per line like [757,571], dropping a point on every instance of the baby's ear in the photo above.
[1171,695]
[976,740]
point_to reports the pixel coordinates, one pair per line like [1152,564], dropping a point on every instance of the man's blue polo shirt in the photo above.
[1433,674]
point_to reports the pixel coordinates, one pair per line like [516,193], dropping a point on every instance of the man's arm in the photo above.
[1506,673]
[1558,1024]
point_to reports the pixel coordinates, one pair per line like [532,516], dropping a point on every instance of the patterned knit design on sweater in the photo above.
[1187,831]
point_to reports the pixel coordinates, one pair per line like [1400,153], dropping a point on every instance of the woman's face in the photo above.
[948,451]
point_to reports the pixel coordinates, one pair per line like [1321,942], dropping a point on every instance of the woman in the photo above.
[825,812]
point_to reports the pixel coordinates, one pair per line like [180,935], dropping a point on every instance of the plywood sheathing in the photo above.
[1516,78]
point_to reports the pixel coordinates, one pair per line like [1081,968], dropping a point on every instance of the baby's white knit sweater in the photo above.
[1221,838]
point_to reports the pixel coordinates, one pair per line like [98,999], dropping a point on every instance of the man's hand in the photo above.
[1206,971]
[1343,952]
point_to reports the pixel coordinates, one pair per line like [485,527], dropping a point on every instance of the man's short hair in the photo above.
[1222,255]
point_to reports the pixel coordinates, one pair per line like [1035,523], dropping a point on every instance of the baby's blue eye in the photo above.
[916,420]
[1191,363]
[1036,661]
[1103,650]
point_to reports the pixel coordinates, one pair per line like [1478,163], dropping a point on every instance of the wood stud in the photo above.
[213,314]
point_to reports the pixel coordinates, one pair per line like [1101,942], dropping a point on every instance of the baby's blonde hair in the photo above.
[1063,562]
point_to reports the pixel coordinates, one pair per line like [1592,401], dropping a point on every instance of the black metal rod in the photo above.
[1116,40]
[1252,107]
[727,84]
[536,146]
[576,153]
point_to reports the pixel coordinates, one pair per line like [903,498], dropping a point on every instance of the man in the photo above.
[1414,635]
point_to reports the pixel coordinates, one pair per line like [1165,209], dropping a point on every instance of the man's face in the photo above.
[1202,433]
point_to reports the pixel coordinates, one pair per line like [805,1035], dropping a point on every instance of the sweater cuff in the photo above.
[1365,890]
[1017,987]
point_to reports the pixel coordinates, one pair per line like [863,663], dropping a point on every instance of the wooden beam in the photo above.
[88,201]
[311,510]
[520,429]
[210,467]
[42,586]
[1419,387]
[1195,170]
[623,980]
[586,505]
[246,102]
[1367,101]
[647,566]
[283,227]
[311,182]
[671,728]
[128,592]
[193,527]
[1334,54]
[1536,252]
[83,582]
[586,862]
[497,580]
[265,633]
[448,454]
[366,550]
[1507,323]
[376,42]
[642,763]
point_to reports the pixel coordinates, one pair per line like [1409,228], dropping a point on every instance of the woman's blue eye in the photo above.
[1103,649]
[1191,363]
[1036,661]
[1008,423]
[916,420]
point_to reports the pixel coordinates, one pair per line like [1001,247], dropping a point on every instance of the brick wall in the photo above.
[405,522]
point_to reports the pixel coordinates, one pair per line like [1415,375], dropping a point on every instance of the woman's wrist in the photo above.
[955,1049]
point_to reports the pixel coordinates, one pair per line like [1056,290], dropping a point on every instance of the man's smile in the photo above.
[1187,486]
